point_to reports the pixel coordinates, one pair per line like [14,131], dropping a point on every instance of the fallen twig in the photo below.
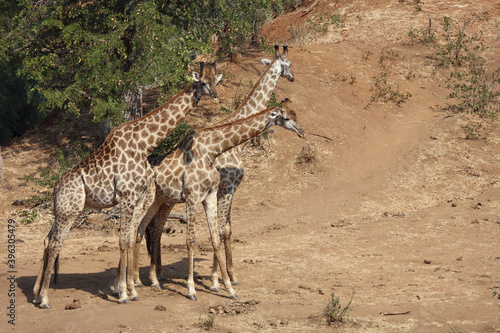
[394,313]
[311,7]
[322,136]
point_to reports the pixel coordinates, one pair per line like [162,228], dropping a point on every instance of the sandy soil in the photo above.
[397,207]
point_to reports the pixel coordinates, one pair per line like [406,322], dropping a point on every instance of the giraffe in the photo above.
[230,166]
[187,174]
[118,173]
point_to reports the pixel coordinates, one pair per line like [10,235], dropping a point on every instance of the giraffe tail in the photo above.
[56,269]
[147,233]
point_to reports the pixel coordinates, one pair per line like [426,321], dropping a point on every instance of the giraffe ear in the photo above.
[217,78]
[285,50]
[266,62]
[196,76]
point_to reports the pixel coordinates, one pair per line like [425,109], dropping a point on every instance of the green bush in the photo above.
[334,311]
[172,139]
[476,89]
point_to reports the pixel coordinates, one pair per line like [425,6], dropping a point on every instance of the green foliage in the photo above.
[383,89]
[88,55]
[207,323]
[496,294]
[30,216]
[334,311]
[18,107]
[476,89]
[321,24]
[474,131]
[458,46]
[283,6]
[273,101]
[172,139]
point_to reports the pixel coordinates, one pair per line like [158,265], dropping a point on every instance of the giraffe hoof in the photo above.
[135,298]
[233,296]
[162,278]
[235,283]
[124,301]
[139,285]
[36,301]
[217,289]
[156,287]
[44,306]
[192,297]
[115,293]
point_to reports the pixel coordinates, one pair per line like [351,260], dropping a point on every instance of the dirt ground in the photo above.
[396,207]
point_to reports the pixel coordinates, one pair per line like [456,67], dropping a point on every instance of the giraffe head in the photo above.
[285,117]
[282,60]
[207,81]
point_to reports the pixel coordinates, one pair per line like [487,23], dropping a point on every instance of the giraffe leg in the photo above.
[66,215]
[148,217]
[155,246]
[191,209]
[224,203]
[230,178]
[141,207]
[210,205]
[36,288]
[227,246]
[53,253]
[121,282]
[126,242]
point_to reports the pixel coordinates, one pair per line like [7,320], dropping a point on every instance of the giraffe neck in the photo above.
[219,139]
[147,132]
[260,94]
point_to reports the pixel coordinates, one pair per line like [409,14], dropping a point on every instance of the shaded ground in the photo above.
[398,207]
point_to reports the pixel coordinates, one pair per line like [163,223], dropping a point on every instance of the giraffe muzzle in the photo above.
[214,98]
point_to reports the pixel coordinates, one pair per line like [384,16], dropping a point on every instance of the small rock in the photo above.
[453,205]
[459,258]
[75,305]
[160,308]
[427,262]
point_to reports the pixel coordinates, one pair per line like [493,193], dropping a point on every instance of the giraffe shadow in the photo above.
[175,277]
[99,283]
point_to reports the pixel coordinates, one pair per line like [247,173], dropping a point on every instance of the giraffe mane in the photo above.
[170,101]
[229,123]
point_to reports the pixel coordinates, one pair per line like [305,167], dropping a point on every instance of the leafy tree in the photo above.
[18,107]
[91,54]
[96,55]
